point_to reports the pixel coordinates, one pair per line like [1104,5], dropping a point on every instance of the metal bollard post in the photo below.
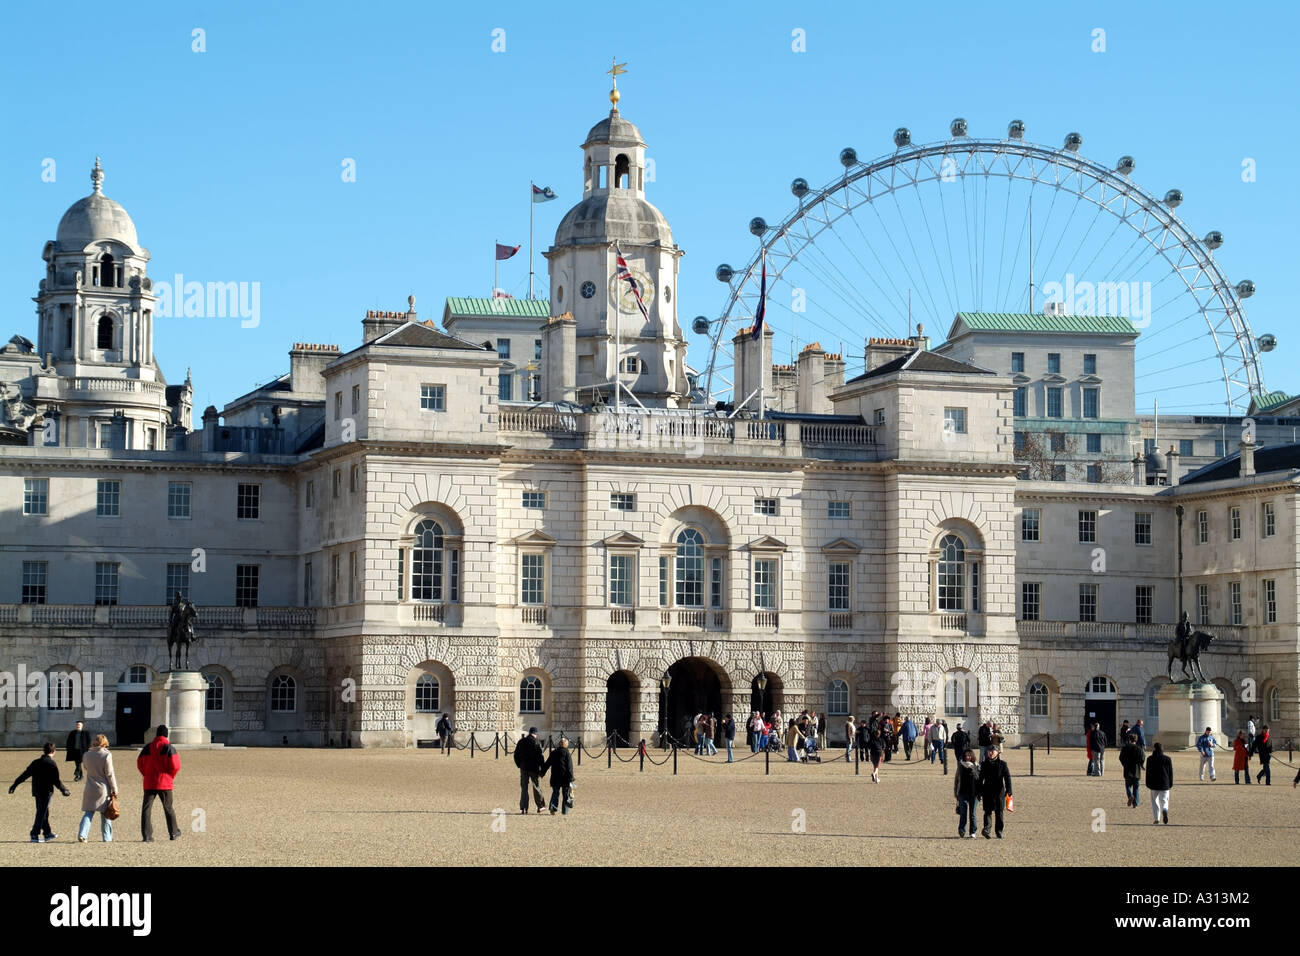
[609,757]
[674,761]
[1049,745]
[857,759]
[579,751]
[471,744]
[767,762]
[1031,760]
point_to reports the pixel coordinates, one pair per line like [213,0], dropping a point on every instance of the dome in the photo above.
[1155,462]
[615,130]
[94,218]
[598,220]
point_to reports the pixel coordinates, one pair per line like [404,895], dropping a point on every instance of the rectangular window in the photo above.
[663,580]
[532,579]
[1054,406]
[453,574]
[338,481]
[1020,440]
[1031,600]
[108,498]
[1202,527]
[632,365]
[1020,402]
[715,583]
[1220,448]
[1017,361]
[356,399]
[1093,443]
[622,501]
[352,577]
[36,496]
[503,348]
[248,502]
[1203,604]
[178,499]
[1089,363]
[1087,603]
[247,578]
[1144,603]
[537,349]
[1087,527]
[535,500]
[354,479]
[1142,527]
[338,405]
[151,439]
[838,510]
[1053,363]
[105,582]
[1268,524]
[1234,522]
[975,586]
[620,580]
[178,582]
[433,398]
[306,581]
[764,506]
[1270,601]
[1234,602]
[765,584]
[1094,473]
[1029,524]
[335,561]
[1058,473]
[1185,446]
[505,386]
[954,420]
[34,573]
[878,417]
[1092,403]
[1056,441]
[837,590]
[310,494]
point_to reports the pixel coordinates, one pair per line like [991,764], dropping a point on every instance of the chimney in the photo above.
[1171,456]
[307,363]
[881,351]
[560,358]
[1247,459]
[379,322]
[813,393]
[753,367]
[211,422]
[1139,470]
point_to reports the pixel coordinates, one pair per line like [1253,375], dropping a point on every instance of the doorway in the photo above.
[618,708]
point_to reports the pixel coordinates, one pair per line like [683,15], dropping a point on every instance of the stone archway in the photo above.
[696,685]
[619,690]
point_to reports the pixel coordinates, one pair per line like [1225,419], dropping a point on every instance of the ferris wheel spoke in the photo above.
[934,248]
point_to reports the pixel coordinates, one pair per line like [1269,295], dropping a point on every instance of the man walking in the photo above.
[443,729]
[850,735]
[960,741]
[1132,759]
[44,773]
[78,744]
[941,744]
[1205,745]
[529,760]
[1160,780]
[755,726]
[158,763]
[1097,741]
[1140,732]
[1264,750]
[995,787]
[985,737]
[729,734]
[560,763]
[1250,733]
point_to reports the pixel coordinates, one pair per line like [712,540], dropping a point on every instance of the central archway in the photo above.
[618,708]
[696,686]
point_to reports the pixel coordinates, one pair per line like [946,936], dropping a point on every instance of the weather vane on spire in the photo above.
[616,70]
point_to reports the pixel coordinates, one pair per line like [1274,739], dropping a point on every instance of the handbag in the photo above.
[568,801]
[1011,804]
[113,810]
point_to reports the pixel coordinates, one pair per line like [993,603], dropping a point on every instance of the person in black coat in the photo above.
[965,787]
[995,787]
[960,741]
[560,764]
[1097,741]
[78,744]
[443,729]
[531,764]
[1160,780]
[1264,750]
[1132,759]
[44,773]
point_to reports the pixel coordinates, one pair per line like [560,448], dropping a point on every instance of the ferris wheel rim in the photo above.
[1233,328]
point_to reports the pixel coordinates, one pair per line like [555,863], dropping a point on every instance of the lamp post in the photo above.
[664,683]
[1179,512]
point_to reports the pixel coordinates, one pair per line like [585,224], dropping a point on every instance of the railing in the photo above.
[952,622]
[533,615]
[63,615]
[9,615]
[1119,631]
[764,430]
[280,617]
[220,617]
[767,619]
[812,434]
[116,385]
[841,621]
[138,616]
[429,612]
[155,616]
[538,420]
[622,615]
[694,618]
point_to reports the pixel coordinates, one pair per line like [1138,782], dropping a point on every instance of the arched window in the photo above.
[621,166]
[1037,700]
[106,270]
[60,691]
[1275,704]
[284,694]
[426,694]
[435,568]
[216,697]
[104,332]
[530,695]
[837,698]
[1100,685]
[1153,707]
[952,573]
[954,696]
[690,569]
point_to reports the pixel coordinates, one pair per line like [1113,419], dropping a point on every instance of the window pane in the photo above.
[107,498]
[690,569]
[530,695]
[838,586]
[178,499]
[620,579]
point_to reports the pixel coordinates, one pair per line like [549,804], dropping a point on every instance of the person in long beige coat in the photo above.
[101,786]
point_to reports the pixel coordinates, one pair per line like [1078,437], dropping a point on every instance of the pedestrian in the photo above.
[755,727]
[821,731]
[875,750]
[965,787]
[1205,745]
[985,738]
[908,734]
[887,736]
[1097,741]
[995,789]
[1124,731]
[1264,750]
[850,736]
[729,735]
[960,741]
[1250,733]
[443,729]
[78,744]
[158,763]
[710,734]
[1240,757]
[531,764]
[1132,759]
[792,739]
[943,745]
[1140,731]
[924,737]
[560,763]
[44,773]
[1160,780]
[864,737]
[101,790]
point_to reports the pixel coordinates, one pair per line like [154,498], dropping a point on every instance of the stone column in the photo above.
[1185,711]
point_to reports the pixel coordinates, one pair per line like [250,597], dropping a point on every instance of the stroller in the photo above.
[811,751]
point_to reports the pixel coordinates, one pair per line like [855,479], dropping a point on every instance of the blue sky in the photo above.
[229,160]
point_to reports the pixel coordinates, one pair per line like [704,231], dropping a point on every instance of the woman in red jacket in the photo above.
[158,763]
[1240,757]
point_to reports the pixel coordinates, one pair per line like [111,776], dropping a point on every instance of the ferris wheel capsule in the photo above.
[848,156]
[1267,342]
[1124,165]
[799,187]
[957,127]
[758,225]
[724,273]
[1016,129]
[1174,198]
[700,325]
[1073,141]
[1245,289]
[902,137]
[1213,239]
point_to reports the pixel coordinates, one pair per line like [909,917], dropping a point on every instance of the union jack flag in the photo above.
[625,275]
[761,311]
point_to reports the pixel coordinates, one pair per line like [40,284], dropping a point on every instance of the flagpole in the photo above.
[496,267]
[618,338]
[762,370]
[531,203]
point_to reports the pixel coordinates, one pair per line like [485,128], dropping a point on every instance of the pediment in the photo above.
[624,539]
[841,546]
[1020,378]
[1089,379]
[1054,378]
[766,543]
[535,538]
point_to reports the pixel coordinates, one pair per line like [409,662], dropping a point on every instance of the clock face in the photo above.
[588,289]
[628,302]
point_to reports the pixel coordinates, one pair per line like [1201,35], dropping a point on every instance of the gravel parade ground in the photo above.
[312,807]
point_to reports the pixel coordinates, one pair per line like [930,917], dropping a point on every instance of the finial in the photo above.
[410,302]
[616,70]
[97,176]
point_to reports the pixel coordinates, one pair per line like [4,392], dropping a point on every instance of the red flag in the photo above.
[505,252]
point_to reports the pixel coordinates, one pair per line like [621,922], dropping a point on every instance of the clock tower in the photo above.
[612,336]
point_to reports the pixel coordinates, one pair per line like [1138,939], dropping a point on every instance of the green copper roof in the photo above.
[1271,400]
[1025,322]
[519,308]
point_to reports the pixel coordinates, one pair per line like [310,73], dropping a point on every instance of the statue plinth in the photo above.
[180,702]
[1185,710]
